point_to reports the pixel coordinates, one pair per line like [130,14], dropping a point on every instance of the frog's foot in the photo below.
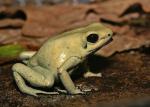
[26,55]
[77,91]
[22,72]
[91,74]
[25,61]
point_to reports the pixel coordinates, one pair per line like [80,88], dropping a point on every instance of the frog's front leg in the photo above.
[88,73]
[65,77]
[35,78]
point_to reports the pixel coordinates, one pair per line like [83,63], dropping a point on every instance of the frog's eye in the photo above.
[93,38]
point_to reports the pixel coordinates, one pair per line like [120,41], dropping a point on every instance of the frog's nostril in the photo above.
[109,34]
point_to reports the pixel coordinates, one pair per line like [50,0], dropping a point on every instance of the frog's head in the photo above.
[95,36]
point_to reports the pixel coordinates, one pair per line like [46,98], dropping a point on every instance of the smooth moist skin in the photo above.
[58,57]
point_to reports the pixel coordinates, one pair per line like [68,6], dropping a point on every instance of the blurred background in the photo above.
[43,2]
[124,63]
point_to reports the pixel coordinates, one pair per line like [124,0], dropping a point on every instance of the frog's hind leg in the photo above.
[28,90]
[25,61]
[26,55]
[22,72]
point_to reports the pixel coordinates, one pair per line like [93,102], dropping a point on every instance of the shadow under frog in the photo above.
[95,64]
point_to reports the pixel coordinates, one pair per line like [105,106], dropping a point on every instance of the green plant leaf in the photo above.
[11,50]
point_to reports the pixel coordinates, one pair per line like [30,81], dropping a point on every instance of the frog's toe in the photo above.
[78,91]
[37,92]
[34,94]
[60,90]
[51,93]
[98,75]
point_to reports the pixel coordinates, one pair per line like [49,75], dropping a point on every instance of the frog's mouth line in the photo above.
[110,39]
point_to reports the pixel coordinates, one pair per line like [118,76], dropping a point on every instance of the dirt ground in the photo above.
[123,79]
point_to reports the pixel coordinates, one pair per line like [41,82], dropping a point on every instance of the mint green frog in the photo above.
[58,57]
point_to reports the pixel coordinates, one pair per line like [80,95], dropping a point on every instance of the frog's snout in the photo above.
[110,37]
[110,34]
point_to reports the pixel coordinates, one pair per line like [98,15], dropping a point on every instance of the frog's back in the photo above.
[58,48]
